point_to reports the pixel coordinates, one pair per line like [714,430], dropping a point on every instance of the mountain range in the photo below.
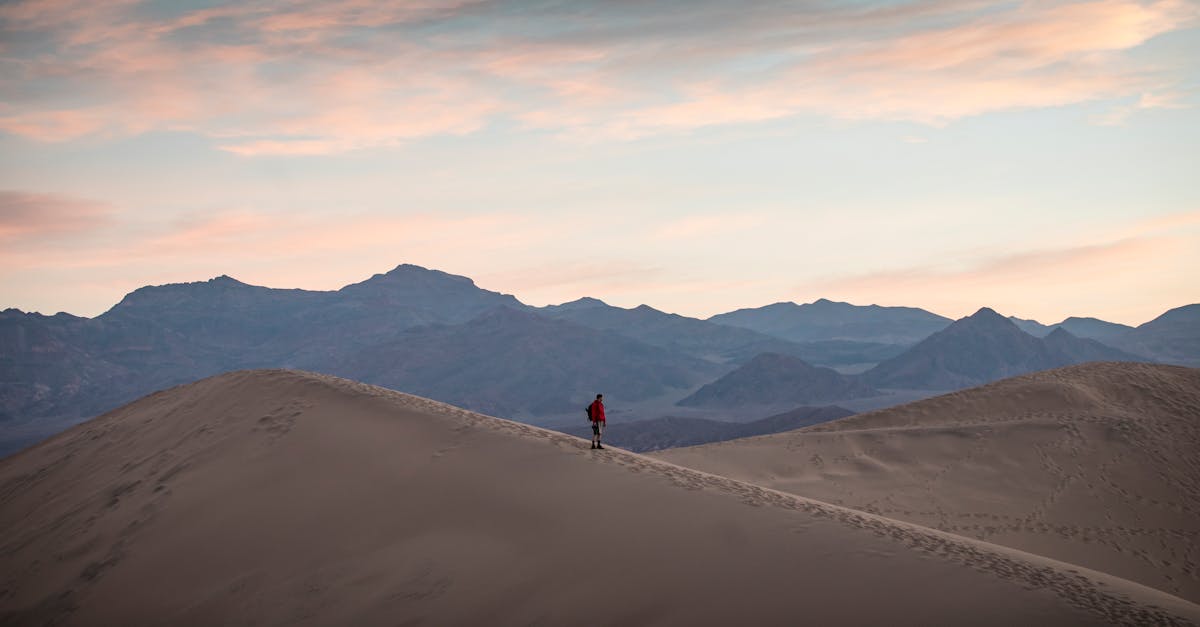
[972,351]
[985,347]
[1091,328]
[705,340]
[1171,337]
[519,364]
[440,335]
[771,379]
[829,320]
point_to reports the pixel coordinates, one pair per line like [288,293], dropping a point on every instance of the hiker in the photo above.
[595,413]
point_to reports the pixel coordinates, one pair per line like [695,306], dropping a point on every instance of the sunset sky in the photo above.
[1040,158]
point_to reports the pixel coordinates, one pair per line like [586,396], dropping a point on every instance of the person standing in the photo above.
[595,413]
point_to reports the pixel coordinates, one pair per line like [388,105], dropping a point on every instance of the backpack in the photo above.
[589,410]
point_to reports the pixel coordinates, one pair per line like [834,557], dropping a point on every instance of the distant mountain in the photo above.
[1095,329]
[522,361]
[224,323]
[517,363]
[45,369]
[587,302]
[673,431]
[711,340]
[410,296]
[59,368]
[1066,348]
[771,379]
[981,348]
[1090,328]
[1173,337]
[829,320]
[1032,327]
[699,338]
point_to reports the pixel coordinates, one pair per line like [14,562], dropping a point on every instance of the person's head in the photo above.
[599,397]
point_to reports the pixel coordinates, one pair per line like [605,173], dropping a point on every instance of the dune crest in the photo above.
[283,497]
[1093,465]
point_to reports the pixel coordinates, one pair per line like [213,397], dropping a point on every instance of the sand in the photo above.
[288,498]
[1096,465]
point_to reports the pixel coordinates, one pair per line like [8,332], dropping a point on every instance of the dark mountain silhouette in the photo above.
[771,379]
[46,370]
[829,320]
[1173,337]
[586,302]
[674,431]
[1032,327]
[410,296]
[1065,347]
[981,348]
[713,341]
[222,324]
[1089,328]
[517,363]
[699,338]
[1095,329]
[59,369]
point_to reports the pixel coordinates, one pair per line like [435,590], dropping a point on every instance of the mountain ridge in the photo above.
[771,378]
[58,369]
[826,319]
[981,348]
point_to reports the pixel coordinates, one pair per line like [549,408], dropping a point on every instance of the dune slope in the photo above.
[1093,464]
[280,497]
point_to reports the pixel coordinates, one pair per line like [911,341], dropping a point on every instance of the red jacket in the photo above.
[597,408]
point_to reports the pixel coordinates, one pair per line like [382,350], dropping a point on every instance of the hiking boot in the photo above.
[600,447]
[593,446]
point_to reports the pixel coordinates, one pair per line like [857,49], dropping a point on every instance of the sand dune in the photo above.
[281,497]
[1097,465]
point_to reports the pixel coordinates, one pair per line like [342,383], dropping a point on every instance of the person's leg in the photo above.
[599,433]
[595,434]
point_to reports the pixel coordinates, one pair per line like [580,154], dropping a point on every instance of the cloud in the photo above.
[30,217]
[307,78]
[1162,100]
[290,147]
[1028,265]
[1028,57]
[55,126]
[249,236]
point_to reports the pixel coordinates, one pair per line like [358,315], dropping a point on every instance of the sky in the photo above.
[1040,158]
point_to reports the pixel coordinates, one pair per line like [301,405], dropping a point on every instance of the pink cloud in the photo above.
[132,73]
[1015,267]
[289,147]
[54,126]
[246,235]
[28,217]
[1027,58]
[1028,38]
